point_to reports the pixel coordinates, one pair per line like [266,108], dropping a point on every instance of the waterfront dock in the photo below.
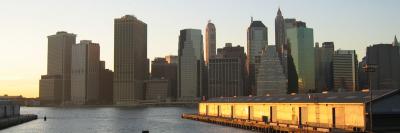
[15,120]
[258,126]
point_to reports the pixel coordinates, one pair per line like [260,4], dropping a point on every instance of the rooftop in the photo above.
[331,97]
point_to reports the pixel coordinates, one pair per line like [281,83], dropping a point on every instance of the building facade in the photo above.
[301,41]
[323,67]
[158,89]
[345,73]
[190,65]
[106,84]
[130,59]
[257,40]
[271,78]
[162,69]
[387,60]
[85,72]
[59,63]
[210,41]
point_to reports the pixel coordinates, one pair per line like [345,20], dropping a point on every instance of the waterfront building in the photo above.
[85,72]
[345,70]
[58,67]
[106,84]
[301,42]
[210,41]
[271,78]
[323,112]
[323,67]
[190,65]
[50,89]
[362,75]
[386,58]
[158,89]
[130,59]
[162,69]
[257,40]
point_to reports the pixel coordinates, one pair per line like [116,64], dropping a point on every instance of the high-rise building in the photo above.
[58,67]
[162,69]
[386,58]
[158,89]
[280,33]
[257,40]
[190,65]
[130,59]
[323,67]
[271,78]
[301,41]
[106,84]
[210,41]
[85,72]
[226,72]
[50,89]
[345,70]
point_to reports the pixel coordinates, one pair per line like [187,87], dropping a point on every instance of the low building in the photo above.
[50,89]
[8,109]
[158,89]
[346,111]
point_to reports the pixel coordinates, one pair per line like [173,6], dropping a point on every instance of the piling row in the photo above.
[252,125]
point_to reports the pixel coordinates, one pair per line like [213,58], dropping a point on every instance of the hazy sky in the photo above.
[25,25]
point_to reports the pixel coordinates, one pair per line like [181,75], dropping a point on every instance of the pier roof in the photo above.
[331,97]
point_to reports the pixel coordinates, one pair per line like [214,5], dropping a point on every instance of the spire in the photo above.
[279,11]
[395,42]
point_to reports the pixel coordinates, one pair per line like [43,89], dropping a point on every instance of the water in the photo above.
[112,119]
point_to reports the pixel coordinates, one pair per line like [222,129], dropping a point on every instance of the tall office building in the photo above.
[271,78]
[226,72]
[345,66]
[280,33]
[387,59]
[106,84]
[85,72]
[130,59]
[301,41]
[323,67]
[257,40]
[58,68]
[210,41]
[190,65]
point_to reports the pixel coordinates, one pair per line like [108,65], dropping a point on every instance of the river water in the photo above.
[115,120]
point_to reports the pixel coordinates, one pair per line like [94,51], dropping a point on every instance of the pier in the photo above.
[257,125]
[15,120]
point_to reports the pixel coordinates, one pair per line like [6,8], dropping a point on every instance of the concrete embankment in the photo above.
[15,120]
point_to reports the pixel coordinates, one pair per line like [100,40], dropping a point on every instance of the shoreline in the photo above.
[16,120]
[135,105]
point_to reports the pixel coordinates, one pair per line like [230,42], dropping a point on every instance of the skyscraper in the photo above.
[226,72]
[58,68]
[345,70]
[190,64]
[323,67]
[257,39]
[271,78]
[280,33]
[85,72]
[210,41]
[301,41]
[387,59]
[106,84]
[130,59]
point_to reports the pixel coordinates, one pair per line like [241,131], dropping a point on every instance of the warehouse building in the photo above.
[346,111]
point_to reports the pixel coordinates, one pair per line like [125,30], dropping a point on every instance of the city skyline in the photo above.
[29,39]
